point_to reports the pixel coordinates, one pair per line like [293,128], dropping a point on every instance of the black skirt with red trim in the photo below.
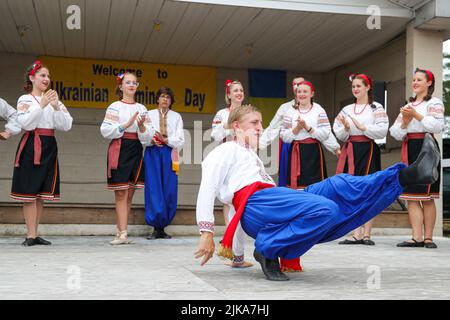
[30,181]
[130,170]
[367,157]
[420,192]
[312,165]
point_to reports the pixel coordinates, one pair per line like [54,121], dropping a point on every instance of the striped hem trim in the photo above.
[118,186]
[138,185]
[32,198]
[419,198]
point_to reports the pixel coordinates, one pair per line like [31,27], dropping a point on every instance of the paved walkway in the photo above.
[90,268]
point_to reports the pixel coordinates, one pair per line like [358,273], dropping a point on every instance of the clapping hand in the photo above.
[358,124]
[301,124]
[54,99]
[130,121]
[159,140]
[407,113]
[140,122]
[341,118]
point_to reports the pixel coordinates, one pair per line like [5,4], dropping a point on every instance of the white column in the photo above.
[424,50]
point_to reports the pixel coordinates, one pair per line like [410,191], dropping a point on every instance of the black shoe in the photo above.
[41,241]
[159,234]
[429,245]
[414,244]
[270,268]
[164,235]
[356,241]
[29,242]
[424,170]
[368,242]
[154,235]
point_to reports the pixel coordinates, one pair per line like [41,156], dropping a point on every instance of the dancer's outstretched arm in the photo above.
[214,170]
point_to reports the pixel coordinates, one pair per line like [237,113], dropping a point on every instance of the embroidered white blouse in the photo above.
[433,121]
[273,130]
[316,117]
[375,120]
[30,115]
[118,113]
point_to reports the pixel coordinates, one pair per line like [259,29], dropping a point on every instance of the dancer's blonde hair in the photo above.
[238,113]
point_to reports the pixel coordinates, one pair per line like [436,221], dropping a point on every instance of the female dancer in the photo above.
[424,113]
[358,125]
[36,168]
[127,126]
[304,126]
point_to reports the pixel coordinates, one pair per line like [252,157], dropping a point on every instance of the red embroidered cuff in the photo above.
[206,226]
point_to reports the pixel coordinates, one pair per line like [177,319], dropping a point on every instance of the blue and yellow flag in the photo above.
[267,91]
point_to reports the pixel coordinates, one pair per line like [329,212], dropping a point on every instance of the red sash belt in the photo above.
[114,150]
[409,136]
[295,159]
[239,202]
[37,144]
[347,153]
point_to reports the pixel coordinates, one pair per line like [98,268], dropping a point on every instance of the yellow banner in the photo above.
[91,83]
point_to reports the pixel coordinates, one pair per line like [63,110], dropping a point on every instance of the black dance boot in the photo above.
[424,170]
[29,242]
[155,235]
[164,235]
[271,268]
[42,241]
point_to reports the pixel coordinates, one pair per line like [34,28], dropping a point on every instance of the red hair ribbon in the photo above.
[228,84]
[36,66]
[430,75]
[307,83]
[365,77]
